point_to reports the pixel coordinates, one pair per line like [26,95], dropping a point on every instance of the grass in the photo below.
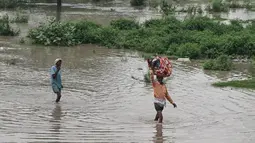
[249,84]
[222,63]
[20,18]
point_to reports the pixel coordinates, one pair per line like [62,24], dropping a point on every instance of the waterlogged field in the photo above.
[105,98]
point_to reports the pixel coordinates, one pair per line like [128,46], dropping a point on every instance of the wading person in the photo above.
[56,82]
[160,95]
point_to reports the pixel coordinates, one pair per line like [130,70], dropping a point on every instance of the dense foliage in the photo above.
[222,63]
[20,18]
[12,3]
[198,37]
[5,28]
[137,2]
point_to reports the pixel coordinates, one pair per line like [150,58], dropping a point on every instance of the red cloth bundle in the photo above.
[162,66]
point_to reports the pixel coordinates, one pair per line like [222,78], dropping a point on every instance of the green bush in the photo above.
[5,28]
[189,50]
[218,6]
[20,18]
[197,37]
[86,32]
[124,24]
[65,34]
[108,37]
[137,2]
[12,3]
[222,63]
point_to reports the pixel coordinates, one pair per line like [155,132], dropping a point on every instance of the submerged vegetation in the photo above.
[20,18]
[222,63]
[195,38]
[250,84]
[13,4]
[137,2]
[225,5]
[5,28]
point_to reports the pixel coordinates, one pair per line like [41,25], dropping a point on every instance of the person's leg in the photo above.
[156,108]
[156,117]
[57,91]
[160,117]
[159,108]
[58,97]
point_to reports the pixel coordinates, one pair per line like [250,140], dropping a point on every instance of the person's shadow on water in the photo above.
[56,120]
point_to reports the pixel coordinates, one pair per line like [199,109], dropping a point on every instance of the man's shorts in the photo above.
[158,107]
[56,89]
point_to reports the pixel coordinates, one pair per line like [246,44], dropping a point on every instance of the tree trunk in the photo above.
[59,5]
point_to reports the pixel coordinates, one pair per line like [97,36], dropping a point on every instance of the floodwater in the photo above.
[102,103]
[103,12]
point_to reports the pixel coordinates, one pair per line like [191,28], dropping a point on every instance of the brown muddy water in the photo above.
[102,103]
[104,12]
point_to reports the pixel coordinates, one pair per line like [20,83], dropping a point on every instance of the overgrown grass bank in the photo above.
[222,63]
[5,28]
[196,38]
[225,5]
[249,84]
[10,4]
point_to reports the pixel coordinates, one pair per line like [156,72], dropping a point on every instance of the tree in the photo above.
[59,5]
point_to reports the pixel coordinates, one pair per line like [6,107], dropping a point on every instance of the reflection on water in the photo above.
[159,134]
[56,121]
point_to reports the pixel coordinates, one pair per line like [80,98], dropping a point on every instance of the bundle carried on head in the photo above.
[161,65]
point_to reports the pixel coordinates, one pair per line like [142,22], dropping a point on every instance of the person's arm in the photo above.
[152,77]
[151,71]
[54,72]
[168,97]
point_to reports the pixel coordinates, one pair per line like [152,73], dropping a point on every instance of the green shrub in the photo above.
[12,3]
[54,33]
[222,63]
[108,37]
[73,33]
[20,18]
[5,28]
[190,50]
[167,9]
[137,2]
[199,23]
[197,37]
[209,65]
[124,24]
[218,6]
[86,32]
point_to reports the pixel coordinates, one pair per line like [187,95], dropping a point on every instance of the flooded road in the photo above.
[102,103]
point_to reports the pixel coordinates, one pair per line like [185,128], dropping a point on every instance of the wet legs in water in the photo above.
[58,97]
[159,117]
